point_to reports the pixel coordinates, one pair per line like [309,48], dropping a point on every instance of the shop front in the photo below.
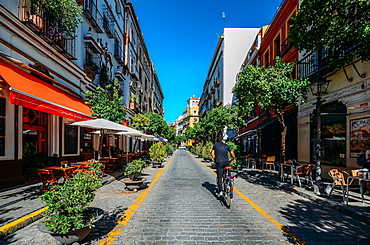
[33,117]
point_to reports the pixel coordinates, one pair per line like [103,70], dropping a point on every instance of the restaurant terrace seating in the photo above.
[47,178]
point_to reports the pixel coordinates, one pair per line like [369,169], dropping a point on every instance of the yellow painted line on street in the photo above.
[126,217]
[19,223]
[265,214]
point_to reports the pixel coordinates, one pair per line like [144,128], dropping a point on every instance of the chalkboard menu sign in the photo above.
[70,139]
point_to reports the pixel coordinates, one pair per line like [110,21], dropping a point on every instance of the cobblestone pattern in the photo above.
[182,209]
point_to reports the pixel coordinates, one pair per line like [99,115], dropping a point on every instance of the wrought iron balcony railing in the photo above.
[52,31]
[118,53]
[93,15]
[313,65]
[108,23]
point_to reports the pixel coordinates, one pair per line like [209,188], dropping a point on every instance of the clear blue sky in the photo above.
[181,37]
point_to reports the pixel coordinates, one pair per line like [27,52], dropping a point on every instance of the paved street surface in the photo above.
[180,207]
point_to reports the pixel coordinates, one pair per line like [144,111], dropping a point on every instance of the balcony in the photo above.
[314,65]
[51,31]
[118,53]
[91,69]
[93,15]
[108,23]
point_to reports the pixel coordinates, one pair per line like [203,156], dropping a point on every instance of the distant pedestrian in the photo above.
[221,158]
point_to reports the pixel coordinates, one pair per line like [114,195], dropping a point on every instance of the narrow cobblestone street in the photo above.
[179,206]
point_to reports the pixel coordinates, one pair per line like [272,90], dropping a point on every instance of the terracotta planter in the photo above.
[133,185]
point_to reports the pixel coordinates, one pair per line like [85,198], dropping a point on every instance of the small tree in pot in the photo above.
[157,154]
[133,171]
[68,205]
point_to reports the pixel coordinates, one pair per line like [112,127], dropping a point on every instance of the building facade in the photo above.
[45,70]
[344,116]
[229,54]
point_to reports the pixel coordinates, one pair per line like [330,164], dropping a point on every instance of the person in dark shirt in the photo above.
[221,158]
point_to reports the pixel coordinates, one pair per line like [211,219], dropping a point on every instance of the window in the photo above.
[277,46]
[267,58]
[118,7]
[70,139]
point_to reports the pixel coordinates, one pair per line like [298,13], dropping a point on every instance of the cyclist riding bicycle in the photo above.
[221,158]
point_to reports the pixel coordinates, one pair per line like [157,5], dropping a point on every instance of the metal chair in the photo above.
[251,162]
[339,179]
[270,161]
[304,171]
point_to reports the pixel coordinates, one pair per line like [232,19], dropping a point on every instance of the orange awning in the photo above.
[31,92]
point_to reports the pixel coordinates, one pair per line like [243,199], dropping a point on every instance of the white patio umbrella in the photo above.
[102,125]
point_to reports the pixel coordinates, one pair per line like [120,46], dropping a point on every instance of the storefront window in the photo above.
[70,139]
[333,134]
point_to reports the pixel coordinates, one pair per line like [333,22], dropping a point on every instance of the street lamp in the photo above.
[319,88]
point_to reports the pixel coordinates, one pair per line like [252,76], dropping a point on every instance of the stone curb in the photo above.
[37,214]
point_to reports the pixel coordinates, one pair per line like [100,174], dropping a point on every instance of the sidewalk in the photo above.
[21,205]
[356,208]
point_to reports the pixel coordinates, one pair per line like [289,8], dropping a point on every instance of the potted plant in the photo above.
[133,171]
[69,218]
[157,153]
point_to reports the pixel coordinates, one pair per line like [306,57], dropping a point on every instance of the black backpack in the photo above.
[361,159]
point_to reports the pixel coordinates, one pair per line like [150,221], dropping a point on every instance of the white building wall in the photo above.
[237,42]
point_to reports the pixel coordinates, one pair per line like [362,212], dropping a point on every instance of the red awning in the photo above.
[31,92]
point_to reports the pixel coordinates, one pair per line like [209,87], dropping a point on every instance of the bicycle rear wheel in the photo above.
[228,195]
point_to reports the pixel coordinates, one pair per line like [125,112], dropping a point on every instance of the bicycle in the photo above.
[228,185]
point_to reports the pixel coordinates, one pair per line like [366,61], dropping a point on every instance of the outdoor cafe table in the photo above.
[291,167]
[63,172]
[80,166]
[361,179]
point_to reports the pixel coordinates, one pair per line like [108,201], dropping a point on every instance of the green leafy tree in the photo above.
[157,124]
[140,122]
[169,133]
[180,138]
[220,117]
[342,27]
[106,103]
[271,88]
